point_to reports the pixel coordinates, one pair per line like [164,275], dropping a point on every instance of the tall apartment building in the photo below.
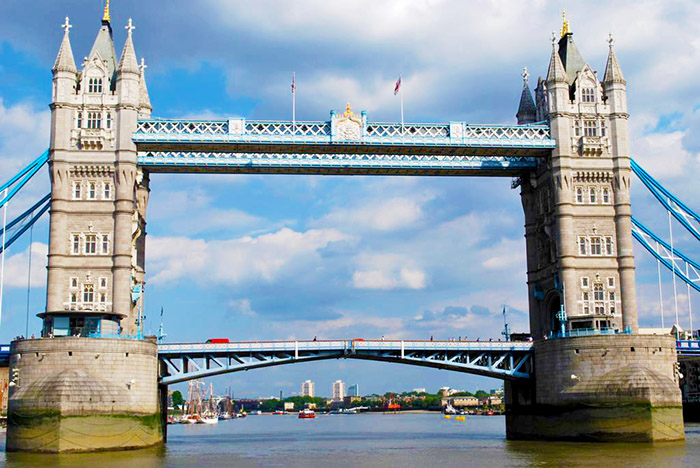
[338,390]
[308,389]
[354,390]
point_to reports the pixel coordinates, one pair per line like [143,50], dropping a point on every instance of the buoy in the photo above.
[460,418]
[448,416]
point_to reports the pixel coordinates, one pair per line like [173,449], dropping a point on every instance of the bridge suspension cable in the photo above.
[24,222]
[21,178]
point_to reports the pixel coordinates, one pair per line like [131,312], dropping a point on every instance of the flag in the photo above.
[294,83]
[398,86]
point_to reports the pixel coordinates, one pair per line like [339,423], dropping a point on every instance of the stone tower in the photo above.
[577,204]
[91,381]
[99,196]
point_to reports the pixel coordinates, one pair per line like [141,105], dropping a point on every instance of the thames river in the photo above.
[371,440]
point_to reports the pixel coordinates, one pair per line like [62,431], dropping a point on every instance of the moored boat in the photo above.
[307,413]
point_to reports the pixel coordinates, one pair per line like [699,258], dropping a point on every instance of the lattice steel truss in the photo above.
[504,360]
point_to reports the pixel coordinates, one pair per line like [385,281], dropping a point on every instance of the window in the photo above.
[77,194]
[579,194]
[611,296]
[606,195]
[588,95]
[94,120]
[103,282]
[611,282]
[105,244]
[582,246]
[608,246]
[90,244]
[589,128]
[109,120]
[599,309]
[603,131]
[88,293]
[79,120]
[92,190]
[95,85]
[586,309]
[584,282]
[76,245]
[107,191]
[596,247]
[598,293]
[103,298]
[586,297]
[592,195]
[73,298]
[577,128]
[74,282]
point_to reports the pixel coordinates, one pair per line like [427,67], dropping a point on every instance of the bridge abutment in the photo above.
[83,395]
[621,388]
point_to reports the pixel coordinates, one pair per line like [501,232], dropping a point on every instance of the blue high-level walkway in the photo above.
[243,146]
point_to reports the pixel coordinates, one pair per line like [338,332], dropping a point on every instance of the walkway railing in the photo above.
[590,332]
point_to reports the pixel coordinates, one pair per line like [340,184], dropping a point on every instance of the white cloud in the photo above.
[377,214]
[386,272]
[507,255]
[17,266]
[262,258]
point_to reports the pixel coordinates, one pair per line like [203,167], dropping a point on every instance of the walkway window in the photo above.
[107,191]
[579,194]
[596,247]
[90,244]
[88,293]
[582,246]
[588,95]
[105,244]
[94,85]
[76,245]
[592,195]
[590,128]
[94,120]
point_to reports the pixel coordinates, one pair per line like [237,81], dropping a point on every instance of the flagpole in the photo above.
[402,122]
[294,102]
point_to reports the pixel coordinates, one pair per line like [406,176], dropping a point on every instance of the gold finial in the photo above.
[106,17]
[348,111]
[565,26]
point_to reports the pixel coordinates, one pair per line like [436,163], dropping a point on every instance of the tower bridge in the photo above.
[595,378]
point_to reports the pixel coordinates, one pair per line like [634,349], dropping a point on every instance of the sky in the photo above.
[292,257]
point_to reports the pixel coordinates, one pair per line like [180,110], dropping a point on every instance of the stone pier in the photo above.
[620,388]
[83,394]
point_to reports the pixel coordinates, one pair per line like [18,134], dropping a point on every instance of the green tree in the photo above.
[177,398]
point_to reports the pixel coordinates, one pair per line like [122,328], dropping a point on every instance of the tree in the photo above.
[177,398]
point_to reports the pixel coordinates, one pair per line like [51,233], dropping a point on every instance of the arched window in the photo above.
[592,195]
[88,293]
[94,85]
[94,120]
[588,95]
[579,194]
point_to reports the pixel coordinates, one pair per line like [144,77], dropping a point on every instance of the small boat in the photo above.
[224,416]
[279,412]
[307,414]
[449,409]
[209,419]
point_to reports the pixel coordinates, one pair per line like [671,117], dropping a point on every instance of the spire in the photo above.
[105,17]
[564,27]
[129,63]
[556,67]
[144,99]
[613,72]
[526,109]
[104,48]
[65,61]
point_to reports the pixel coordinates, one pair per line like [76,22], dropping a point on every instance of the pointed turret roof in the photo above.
[570,57]
[613,72]
[65,60]
[129,63]
[104,47]
[144,98]
[526,109]
[556,67]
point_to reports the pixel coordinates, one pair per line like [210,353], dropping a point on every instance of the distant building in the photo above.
[354,390]
[288,405]
[348,401]
[308,389]
[461,401]
[338,390]
[419,390]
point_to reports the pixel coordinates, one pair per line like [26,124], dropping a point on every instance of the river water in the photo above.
[370,440]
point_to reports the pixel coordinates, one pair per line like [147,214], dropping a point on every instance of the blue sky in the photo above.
[277,257]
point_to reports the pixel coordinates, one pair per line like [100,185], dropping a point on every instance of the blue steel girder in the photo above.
[504,360]
[236,145]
